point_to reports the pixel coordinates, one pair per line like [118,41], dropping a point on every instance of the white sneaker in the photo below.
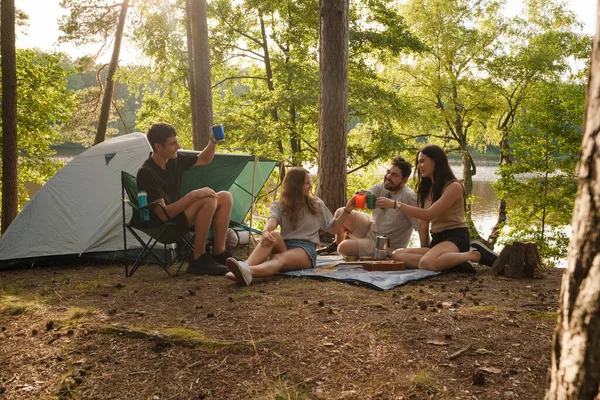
[241,270]
[230,276]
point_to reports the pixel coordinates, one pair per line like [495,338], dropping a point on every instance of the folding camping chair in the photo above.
[165,234]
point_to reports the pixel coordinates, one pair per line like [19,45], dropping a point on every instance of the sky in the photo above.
[43,27]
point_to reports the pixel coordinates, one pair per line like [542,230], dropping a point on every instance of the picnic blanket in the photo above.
[380,280]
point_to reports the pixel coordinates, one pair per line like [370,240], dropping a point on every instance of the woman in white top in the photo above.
[300,216]
[441,208]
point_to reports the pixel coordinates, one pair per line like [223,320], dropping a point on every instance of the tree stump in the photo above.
[519,260]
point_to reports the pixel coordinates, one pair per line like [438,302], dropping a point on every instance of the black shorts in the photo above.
[459,236]
[181,221]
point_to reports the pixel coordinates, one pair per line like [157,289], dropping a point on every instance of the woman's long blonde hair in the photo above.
[292,198]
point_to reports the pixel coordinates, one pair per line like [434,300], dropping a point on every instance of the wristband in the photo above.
[395,205]
[349,212]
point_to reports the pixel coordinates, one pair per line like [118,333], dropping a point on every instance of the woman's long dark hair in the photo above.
[442,175]
[293,199]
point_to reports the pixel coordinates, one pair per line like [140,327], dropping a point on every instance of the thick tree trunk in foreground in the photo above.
[9,115]
[110,84]
[333,102]
[201,77]
[575,369]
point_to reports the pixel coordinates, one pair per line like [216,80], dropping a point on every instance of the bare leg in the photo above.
[200,215]
[261,253]
[348,247]
[444,256]
[289,260]
[348,226]
[410,256]
[221,220]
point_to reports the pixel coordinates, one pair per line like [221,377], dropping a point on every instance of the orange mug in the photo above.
[360,200]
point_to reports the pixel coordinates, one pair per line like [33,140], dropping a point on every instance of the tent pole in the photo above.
[253,198]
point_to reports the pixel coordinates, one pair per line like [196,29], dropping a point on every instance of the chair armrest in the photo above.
[154,204]
[149,206]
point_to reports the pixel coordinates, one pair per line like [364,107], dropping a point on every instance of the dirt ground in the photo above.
[88,332]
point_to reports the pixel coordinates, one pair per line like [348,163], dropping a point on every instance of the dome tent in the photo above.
[78,212]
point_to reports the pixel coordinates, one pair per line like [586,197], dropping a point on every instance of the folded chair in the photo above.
[165,234]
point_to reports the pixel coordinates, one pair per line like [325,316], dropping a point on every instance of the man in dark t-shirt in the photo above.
[160,176]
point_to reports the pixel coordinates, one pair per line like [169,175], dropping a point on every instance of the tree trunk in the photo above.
[575,369]
[501,221]
[333,102]
[9,114]
[269,71]
[202,80]
[190,57]
[295,140]
[110,85]
[469,170]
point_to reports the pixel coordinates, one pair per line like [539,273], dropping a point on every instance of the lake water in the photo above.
[485,208]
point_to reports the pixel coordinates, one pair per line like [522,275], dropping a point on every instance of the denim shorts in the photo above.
[459,236]
[309,247]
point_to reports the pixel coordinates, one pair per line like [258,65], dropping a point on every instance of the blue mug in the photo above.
[218,132]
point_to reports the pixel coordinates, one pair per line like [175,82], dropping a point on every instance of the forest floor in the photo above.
[88,332]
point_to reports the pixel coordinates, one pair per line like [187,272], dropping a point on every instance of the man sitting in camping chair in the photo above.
[160,176]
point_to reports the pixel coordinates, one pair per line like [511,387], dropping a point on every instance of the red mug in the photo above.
[360,200]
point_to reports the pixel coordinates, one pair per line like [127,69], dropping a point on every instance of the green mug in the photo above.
[371,200]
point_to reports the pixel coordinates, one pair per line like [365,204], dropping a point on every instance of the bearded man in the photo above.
[362,228]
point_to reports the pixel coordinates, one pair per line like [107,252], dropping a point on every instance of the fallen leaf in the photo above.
[437,343]
[484,351]
[490,370]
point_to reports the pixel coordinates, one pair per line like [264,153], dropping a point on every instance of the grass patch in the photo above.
[302,283]
[183,337]
[487,308]
[384,334]
[423,379]
[89,286]
[77,313]
[11,291]
[280,390]
[243,293]
[279,301]
[549,316]
[186,334]
[14,305]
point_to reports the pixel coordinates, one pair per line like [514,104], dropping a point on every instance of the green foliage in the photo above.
[540,184]
[266,90]
[364,178]
[43,104]
[89,21]
[84,122]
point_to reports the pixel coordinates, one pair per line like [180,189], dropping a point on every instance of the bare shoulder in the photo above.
[453,189]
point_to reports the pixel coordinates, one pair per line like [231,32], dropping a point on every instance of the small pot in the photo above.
[382,242]
[380,254]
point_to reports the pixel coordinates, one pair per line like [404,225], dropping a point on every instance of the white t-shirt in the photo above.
[308,225]
[395,225]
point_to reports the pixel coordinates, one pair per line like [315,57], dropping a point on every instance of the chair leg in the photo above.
[184,252]
[148,247]
[146,250]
